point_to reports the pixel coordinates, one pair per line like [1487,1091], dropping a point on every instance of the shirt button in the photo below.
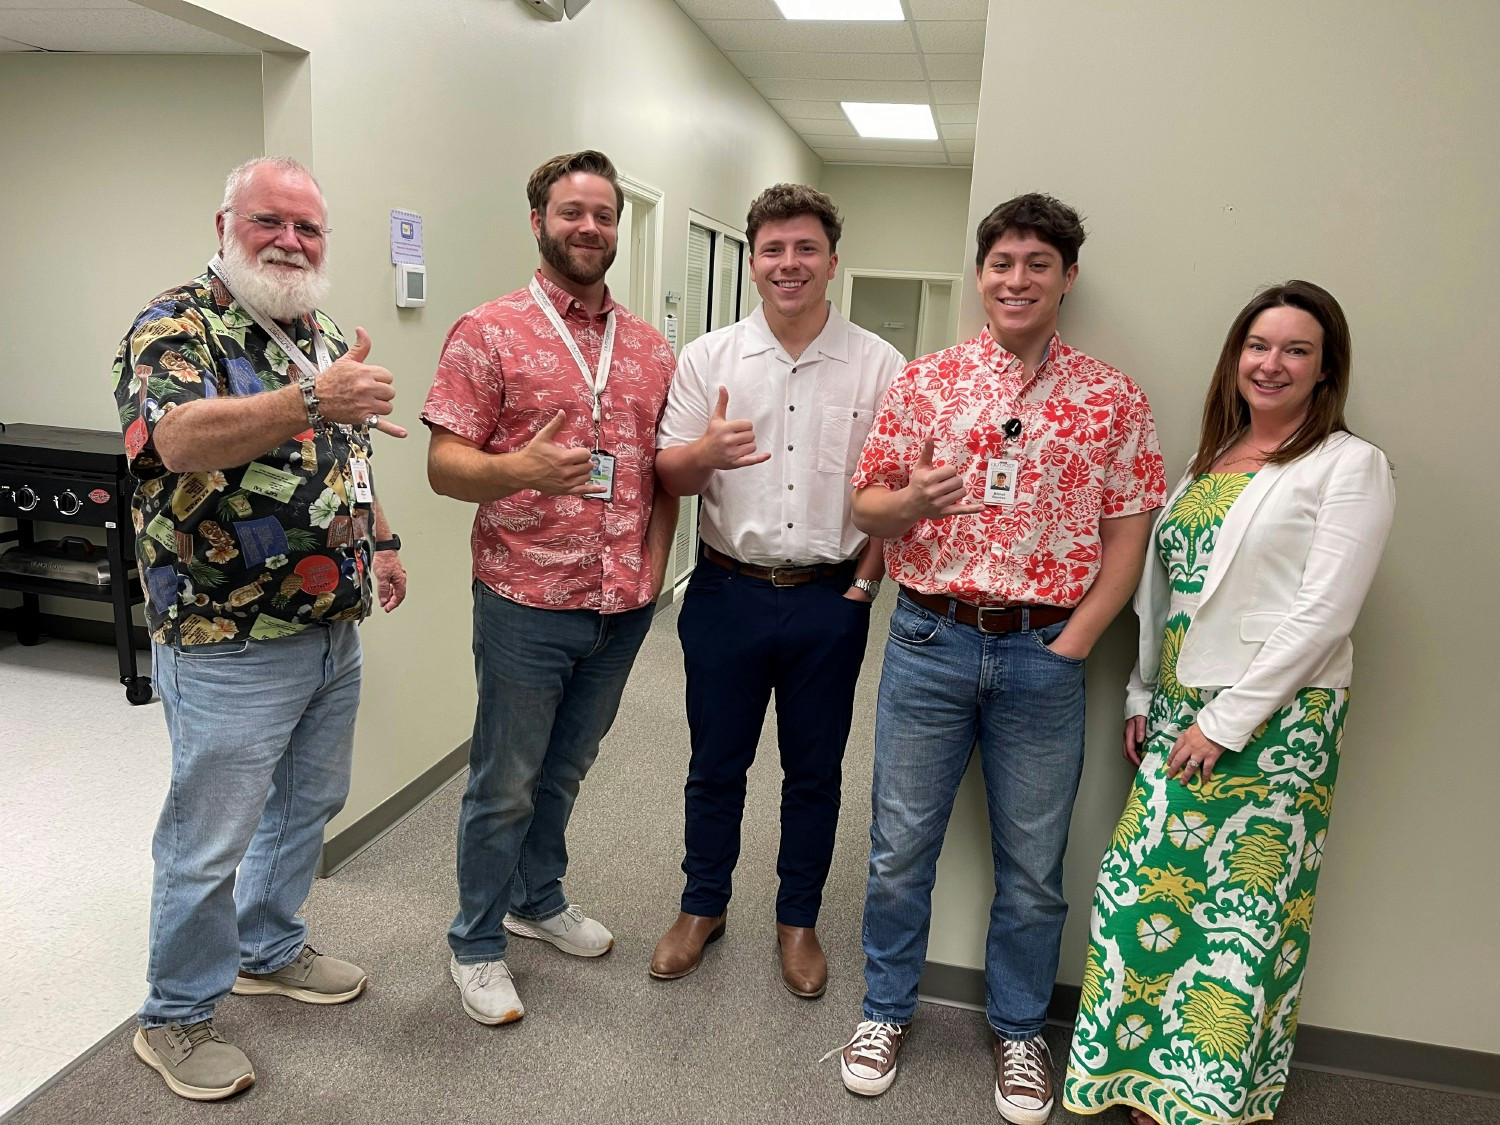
[606,550]
[791,408]
[789,525]
[790,487]
[789,449]
[856,414]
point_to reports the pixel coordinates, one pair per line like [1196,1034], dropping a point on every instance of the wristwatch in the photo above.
[870,587]
[309,387]
[391,544]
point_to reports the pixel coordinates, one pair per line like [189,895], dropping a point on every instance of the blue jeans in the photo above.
[550,682]
[262,737]
[944,687]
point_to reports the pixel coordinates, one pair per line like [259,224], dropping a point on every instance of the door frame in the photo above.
[955,279]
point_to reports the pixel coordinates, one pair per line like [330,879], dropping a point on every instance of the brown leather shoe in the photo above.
[680,949]
[804,969]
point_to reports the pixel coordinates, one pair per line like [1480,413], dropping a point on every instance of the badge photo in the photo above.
[1000,475]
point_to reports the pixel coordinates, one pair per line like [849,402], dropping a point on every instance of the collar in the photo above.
[831,343]
[565,302]
[1004,362]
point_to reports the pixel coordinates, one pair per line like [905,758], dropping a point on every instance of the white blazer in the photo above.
[1290,568]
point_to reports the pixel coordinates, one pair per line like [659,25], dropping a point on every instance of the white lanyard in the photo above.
[594,382]
[275,331]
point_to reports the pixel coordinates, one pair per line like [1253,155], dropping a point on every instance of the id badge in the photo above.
[359,473]
[601,475]
[1000,475]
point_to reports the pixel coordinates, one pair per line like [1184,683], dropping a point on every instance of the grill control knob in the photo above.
[68,503]
[25,497]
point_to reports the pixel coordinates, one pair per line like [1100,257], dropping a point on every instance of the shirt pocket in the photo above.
[841,437]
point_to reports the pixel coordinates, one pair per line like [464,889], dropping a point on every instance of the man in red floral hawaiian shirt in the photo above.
[544,412]
[1012,479]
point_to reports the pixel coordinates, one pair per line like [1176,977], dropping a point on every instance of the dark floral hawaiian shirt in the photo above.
[251,552]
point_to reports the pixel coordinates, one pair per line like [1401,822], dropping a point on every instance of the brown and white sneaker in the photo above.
[1023,1080]
[867,1063]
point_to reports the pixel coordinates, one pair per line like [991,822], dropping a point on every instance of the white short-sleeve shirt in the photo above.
[811,413]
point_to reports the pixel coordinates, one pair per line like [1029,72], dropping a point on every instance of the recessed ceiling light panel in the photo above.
[841,9]
[891,120]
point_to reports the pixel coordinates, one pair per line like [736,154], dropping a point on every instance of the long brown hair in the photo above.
[1225,413]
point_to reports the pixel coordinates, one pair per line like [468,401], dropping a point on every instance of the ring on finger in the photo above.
[372,420]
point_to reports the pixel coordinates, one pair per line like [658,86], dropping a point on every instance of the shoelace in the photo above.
[871,1040]
[1025,1065]
[200,1032]
[481,975]
[572,916]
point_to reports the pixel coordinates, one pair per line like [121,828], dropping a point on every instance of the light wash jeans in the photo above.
[262,737]
[550,682]
[945,686]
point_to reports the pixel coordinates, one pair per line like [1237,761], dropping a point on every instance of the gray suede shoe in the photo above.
[311,978]
[195,1061]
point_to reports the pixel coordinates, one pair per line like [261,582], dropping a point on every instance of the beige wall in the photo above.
[1216,148]
[105,206]
[445,109]
[909,219]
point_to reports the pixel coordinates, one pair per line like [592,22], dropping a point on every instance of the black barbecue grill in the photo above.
[54,475]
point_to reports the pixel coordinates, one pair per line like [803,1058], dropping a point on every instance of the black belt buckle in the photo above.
[1007,611]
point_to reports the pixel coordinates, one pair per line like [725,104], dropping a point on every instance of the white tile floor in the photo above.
[82,777]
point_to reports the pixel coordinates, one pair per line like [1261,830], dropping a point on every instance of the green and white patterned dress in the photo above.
[1205,897]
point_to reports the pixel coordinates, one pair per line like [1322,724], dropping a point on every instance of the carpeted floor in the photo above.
[601,1041]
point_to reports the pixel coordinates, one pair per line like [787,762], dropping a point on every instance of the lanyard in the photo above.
[275,331]
[594,382]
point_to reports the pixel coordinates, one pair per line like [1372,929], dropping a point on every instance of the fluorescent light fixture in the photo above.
[889,119]
[841,9]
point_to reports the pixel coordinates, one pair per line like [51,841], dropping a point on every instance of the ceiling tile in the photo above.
[821,90]
[816,110]
[948,9]
[793,64]
[951,38]
[957,147]
[827,127]
[953,67]
[730,9]
[958,132]
[798,35]
[949,93]
[880,156]
[891,143]
[132,30]
[966,112]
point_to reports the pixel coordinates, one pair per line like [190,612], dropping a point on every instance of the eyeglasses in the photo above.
[309,232]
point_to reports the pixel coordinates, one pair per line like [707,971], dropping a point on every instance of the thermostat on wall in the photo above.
[411,286]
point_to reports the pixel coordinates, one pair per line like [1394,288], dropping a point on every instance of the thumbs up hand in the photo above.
[935,490]
[551,467]
[729,444]
[352,391]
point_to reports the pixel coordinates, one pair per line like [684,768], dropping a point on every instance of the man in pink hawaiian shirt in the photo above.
[544,412]
[1012,479]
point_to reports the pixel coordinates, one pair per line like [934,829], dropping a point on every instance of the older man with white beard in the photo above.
[248,422]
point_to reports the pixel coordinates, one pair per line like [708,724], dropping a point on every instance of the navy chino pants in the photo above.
[744,641]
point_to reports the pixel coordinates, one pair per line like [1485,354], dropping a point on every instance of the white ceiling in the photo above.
[108,26]
[804,68]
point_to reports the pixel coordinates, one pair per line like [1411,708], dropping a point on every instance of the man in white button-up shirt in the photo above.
[765,420]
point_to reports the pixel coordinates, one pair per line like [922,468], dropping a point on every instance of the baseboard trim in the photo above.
[76,628]
[356,837]
[1429,1065]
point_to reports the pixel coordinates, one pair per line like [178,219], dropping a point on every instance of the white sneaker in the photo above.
[487,990]
[570,931]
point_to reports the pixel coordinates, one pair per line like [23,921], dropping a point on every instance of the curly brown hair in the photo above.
[789,201]
[1048,219]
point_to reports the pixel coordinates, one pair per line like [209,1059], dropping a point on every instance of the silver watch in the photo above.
[870,587]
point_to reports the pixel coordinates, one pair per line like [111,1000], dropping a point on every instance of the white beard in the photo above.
[272,292]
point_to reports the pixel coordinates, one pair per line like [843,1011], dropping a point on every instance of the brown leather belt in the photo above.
[992,619]
[779,575]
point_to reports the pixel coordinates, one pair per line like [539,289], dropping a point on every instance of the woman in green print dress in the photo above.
[1235,716]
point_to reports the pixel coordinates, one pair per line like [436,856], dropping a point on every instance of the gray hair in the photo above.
[239,177]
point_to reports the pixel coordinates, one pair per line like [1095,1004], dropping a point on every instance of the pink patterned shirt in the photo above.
[1087,451]
[503,374]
